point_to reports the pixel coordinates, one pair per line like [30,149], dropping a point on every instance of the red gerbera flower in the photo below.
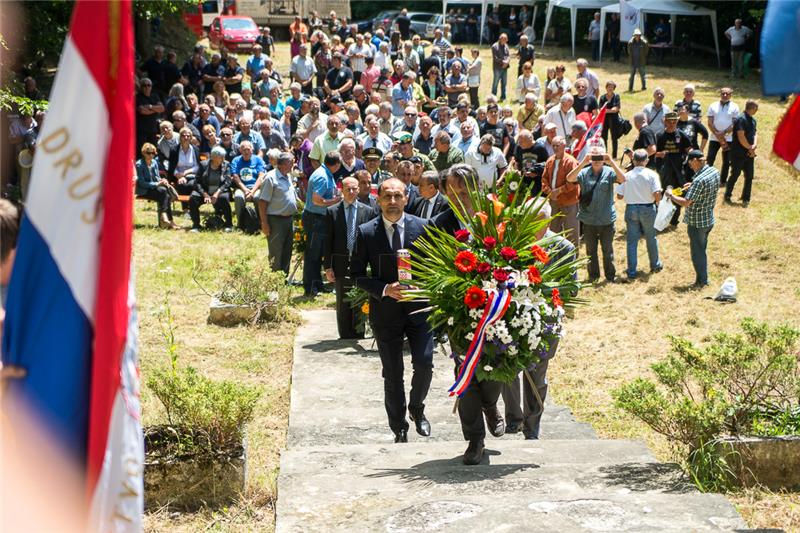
[462,235]
[474,297]
[489,242]
[534,276]
[500,274]
[483,268]
[466,261]
[508,253]
[540,255]
[556,296]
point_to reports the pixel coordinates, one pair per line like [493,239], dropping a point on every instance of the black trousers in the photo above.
[739,165]
[612,128]
[713,148]
[221,207]
[604,235]
[162,200]
[480,396]
[346,316]
[528,411]
[185,188]
[390,347]
[474,99]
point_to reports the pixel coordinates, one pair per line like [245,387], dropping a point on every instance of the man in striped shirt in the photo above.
[699,200]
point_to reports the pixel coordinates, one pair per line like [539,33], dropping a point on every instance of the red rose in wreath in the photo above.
[534,276]
[508,253]
[474,297]
[556,297]
[539,254]
[500,274]
[466,261]
[489,243]
[483,268]
[462,235]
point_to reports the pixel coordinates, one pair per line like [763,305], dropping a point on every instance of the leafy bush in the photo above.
[740,384]
[211,415]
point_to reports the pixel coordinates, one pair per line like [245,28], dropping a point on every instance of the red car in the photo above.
[233,32]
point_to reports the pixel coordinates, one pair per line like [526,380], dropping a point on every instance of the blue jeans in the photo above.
[639,219]
[314,226]
[501,77]
[698,242]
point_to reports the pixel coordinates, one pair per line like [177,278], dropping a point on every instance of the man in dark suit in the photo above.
[431,201]
[377,244]
[405,170]
[480,398]
[341,222]
[365,195]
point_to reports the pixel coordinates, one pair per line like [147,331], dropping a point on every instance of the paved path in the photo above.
[342,471]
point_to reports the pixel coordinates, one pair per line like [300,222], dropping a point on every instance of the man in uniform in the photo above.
[672,145]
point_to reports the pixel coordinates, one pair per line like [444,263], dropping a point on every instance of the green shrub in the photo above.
[739,384]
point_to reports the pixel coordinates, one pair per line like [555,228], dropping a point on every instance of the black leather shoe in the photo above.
[401,436]
[497,426]
[422,424]
[474,452]
[512,428]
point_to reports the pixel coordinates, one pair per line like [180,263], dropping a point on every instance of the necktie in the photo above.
[351,228]
[396,244]
[429,212]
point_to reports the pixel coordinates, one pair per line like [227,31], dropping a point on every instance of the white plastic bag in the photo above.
[665,211]
[728,291]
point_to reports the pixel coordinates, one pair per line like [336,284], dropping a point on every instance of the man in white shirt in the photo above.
[488,160]
[358,54]
[641,191]
[562,115]
[468,141]
[303,69]
[591,77]
[374,137]
[721,116]
[313,124]
[738,36]
[550,132]
[654,112]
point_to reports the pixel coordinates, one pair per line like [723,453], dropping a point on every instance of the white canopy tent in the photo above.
[485,8]
[673,8]
[573,6]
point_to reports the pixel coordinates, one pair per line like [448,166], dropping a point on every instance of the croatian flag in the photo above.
[787,137]
[594,134]
[70,320]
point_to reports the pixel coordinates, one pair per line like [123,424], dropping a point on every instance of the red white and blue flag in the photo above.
[594,135]
[70,319]
[787,137]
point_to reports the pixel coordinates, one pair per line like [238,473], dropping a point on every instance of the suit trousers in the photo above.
[713,148]
[346,316]
[480,396]
[528,411]
[738,165]
[390,347]
[279,242]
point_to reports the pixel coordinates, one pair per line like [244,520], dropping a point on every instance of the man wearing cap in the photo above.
[672,145]
[699,199]
[328,142]
[372,162]
[277,205]
[637,57]
[407,150]
[303,69]
[373,137]
[339,79]
[642,193]
[445,155]
[212,186]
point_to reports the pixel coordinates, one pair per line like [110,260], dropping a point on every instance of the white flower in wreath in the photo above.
[488,368]
[469,336]
[488,285]
[513,185]
[473,325]
[450,321]
[475,314]
[512,349]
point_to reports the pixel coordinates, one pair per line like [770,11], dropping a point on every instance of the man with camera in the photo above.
[596,208]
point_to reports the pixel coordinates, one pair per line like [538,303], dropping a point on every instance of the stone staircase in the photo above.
[342,471]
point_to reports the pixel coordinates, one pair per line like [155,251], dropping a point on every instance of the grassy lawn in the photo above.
[613,339]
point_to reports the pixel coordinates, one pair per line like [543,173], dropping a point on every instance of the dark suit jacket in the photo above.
[201,181]
[173,159]
[372,203]
[439,205]
[374,250]
[413,198]
[446,221]
[335,254]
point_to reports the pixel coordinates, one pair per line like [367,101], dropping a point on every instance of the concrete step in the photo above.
[337,394]
[556,485]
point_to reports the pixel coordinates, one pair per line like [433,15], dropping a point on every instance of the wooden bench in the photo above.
[181,198]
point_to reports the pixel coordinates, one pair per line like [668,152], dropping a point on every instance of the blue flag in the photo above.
[780,68]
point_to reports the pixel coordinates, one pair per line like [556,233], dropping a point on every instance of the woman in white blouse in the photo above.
[528,83]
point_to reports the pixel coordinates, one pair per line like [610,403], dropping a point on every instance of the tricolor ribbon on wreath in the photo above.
[496,307]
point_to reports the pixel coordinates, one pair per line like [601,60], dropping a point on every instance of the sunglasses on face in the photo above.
[725,94]
[411,114]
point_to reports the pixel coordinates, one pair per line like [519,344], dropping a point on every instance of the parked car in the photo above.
[233,32]
[385,19]
[423,23]
[364,26]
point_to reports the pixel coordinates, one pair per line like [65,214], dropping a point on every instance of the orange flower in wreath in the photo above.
[539,254]
[556,297]
[466,261]
[534,276]
[474,297]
